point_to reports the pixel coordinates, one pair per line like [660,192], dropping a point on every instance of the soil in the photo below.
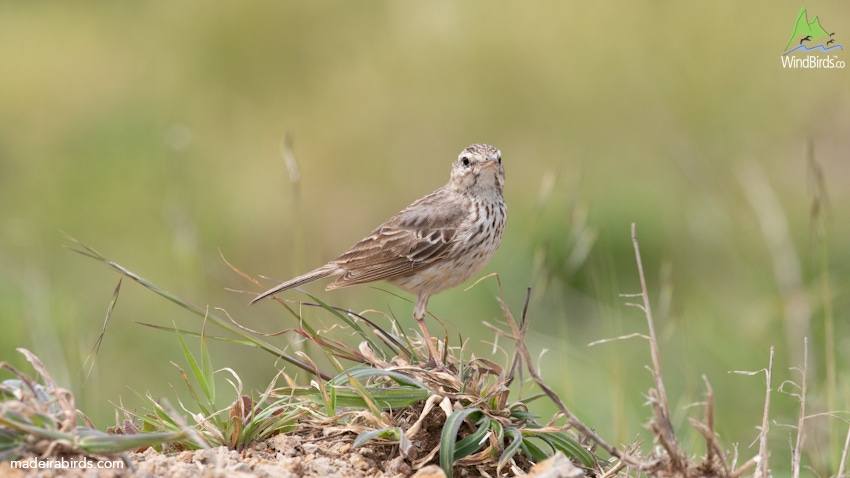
[280,456]
[284,456]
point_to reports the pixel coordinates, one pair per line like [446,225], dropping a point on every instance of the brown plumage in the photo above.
[436,243]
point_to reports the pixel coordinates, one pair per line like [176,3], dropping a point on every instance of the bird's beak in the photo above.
[491,161]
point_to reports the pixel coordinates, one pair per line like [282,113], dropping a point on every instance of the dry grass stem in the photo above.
[798,446]
[844,454]
[662,426]
[763,469]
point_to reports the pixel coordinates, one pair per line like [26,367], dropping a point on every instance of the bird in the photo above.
[830,41]
[436,243]
[805,38]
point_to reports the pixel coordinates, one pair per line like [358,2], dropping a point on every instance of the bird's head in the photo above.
[479,168]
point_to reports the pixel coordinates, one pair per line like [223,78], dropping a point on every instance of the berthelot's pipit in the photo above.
[436,243]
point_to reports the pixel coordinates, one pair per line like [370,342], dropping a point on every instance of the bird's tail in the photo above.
[316,274]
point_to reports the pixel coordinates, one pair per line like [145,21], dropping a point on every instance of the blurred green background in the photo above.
[152,131]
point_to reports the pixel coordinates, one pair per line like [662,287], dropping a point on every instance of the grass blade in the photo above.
[448,438]
[510,450]
[87,251]
[197,372]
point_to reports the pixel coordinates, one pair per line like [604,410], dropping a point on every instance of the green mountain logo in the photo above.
[812,46]
[805,30]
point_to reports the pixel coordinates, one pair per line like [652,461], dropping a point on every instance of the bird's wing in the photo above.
[412,239]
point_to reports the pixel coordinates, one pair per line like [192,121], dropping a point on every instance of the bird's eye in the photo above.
[500,160]
[465,161]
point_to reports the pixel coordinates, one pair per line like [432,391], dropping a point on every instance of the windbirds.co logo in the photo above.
[810,38]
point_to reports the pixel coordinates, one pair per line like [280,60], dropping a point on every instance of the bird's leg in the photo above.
[419,315]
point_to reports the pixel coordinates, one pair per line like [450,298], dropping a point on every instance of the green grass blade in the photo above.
[192,333]
[472,442]
[532,451]
[524,415]
[392,342]
[99,442]
[206,366]
[197,372]
[511,449]
[386,398]
[369,435]
[43,421]
[448,438]
[566,444]
[367,398]
[194,309]
[364,371]
[347,320]
[333,402]
[27,427]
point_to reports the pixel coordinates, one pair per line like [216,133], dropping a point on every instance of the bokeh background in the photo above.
[152,131]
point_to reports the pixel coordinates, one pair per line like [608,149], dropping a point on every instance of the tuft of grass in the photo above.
[391,392]
[244,421]
[38,418]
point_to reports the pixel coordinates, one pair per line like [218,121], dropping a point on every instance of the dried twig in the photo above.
[763,469]
[798,446]
[663,427]
[844,455]
[714,453]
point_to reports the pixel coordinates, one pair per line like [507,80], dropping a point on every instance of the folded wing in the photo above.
[413,239]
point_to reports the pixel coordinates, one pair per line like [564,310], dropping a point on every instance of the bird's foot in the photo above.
[431,364]
[433,354]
